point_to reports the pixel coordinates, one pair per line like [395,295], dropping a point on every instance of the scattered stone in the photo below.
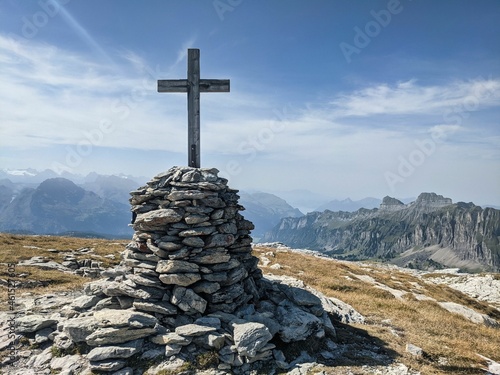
[493,367]
[172,349]
[414,350]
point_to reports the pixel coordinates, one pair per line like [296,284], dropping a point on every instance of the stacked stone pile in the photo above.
[187,285]
[191,251]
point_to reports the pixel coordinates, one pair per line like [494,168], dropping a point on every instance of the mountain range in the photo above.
[42,203]
[430,232]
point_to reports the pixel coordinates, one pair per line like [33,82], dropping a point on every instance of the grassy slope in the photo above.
[444,337]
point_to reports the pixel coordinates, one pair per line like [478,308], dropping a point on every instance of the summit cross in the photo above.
[193,85]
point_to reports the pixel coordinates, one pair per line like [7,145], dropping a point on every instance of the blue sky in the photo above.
[343,98]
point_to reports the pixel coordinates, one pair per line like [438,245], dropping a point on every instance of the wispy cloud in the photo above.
[182,52]
[410,98]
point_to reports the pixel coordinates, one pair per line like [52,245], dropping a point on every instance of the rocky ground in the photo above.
[49,319]
[46,320]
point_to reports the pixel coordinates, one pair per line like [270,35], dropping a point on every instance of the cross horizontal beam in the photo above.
[181,85]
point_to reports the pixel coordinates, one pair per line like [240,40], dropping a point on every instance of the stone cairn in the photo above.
[187,284]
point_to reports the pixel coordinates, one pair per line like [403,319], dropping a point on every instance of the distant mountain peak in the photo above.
[391,204]
[59,190]
[433,199]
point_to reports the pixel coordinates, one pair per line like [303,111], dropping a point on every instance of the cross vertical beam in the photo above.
[193,86]
[193,83]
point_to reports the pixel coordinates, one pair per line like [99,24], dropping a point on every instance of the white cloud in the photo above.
[410,98]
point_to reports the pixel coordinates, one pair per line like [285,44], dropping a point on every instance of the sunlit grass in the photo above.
[450,342]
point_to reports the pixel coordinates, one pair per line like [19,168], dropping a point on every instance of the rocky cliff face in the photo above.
[429,231]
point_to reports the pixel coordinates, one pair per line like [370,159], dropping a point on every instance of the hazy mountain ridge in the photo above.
[265,211]
[58,205]
[460,234]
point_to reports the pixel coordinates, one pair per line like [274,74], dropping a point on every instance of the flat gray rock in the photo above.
[176,266]
[188,301]
[41,359]
[124,318]
[157,219]
[296,324]
[161,307]
[250,338]
[193,242]
[144,280]
[124,350]
[77,329]
[300,296]
[220,240]
[106,336]
[68,364]
[42,335]
[85,302]
[108,365]
[469,314]
[33,323]
[212,256]
[171,338]
[182,279]
[191,330]
[114,289]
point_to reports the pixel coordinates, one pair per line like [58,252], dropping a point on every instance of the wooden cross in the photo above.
[193,85]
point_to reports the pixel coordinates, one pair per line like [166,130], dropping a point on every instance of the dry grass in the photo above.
[14,248]
[449,341]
